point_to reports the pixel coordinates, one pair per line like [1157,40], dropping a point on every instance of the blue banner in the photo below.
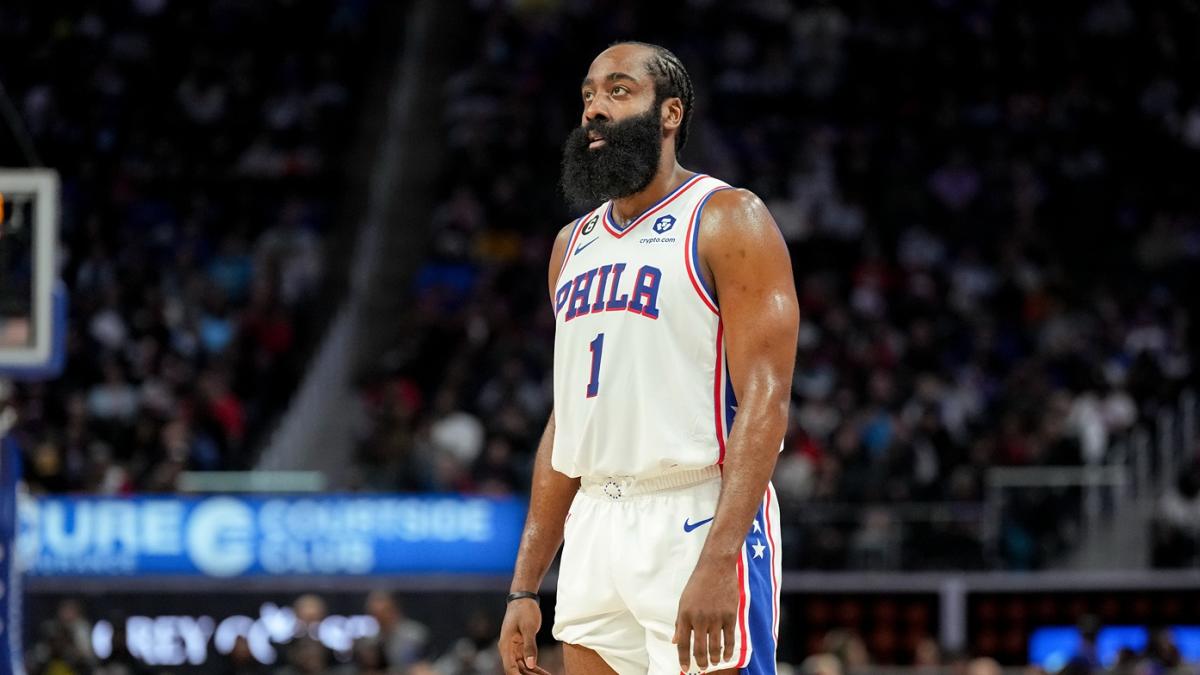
[235,536]
[1053,647]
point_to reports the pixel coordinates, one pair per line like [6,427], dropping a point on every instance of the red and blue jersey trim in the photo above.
[760,617]
[718,393]
[724,400]
[691,254]
[772,539]
[611,225]
[744,600]
[577,230]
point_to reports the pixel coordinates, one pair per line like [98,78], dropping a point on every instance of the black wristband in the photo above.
[521,595]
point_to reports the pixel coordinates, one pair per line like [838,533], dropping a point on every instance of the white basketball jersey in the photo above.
[640,382]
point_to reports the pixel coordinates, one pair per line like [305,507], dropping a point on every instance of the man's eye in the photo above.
[618,90]
[587,95]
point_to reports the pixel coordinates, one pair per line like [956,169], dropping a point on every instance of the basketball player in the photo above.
[675,309]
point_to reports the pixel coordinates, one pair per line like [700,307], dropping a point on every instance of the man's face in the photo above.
[616,150]
[617,86]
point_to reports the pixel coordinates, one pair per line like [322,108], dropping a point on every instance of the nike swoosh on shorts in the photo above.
[688,527]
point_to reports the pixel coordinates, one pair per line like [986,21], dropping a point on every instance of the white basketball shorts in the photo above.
[630,548]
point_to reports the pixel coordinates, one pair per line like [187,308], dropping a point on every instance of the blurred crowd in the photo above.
[988,206]
[992,224]
[1175,527]
[66,644]
[198,146]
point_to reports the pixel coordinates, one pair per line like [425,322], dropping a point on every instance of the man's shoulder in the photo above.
[727,198]
[735,212]
[592,217]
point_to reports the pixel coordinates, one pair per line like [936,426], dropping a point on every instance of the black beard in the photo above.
[623,166]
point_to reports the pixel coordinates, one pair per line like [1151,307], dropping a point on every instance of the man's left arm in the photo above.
[746,260]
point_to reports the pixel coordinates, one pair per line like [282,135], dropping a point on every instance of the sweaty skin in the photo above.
[549,500]
[746,261]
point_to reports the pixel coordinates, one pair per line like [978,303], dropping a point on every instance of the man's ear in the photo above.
[672,113]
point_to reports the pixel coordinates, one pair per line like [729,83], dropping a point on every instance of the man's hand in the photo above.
[708,610]
[518,638]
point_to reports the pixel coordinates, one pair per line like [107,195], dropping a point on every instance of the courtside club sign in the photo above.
[246,536]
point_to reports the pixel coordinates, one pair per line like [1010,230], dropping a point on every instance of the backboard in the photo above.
[29,337]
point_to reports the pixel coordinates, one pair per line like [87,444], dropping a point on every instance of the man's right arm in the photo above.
[549,500]
[551,494]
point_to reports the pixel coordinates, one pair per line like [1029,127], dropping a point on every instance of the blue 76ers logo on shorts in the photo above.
[664,223]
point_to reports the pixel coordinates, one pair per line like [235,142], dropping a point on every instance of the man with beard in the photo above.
[675,308]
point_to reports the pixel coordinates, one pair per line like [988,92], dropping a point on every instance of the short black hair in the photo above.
[671,79]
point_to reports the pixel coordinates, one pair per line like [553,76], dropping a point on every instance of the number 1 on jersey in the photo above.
[597,348]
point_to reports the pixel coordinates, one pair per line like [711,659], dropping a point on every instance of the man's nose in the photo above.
[595,110]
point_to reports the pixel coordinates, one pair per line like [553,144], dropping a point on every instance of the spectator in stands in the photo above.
[64,642]
[1127,662]
[56,653]
[927,656]
[950,321]
[821,664]
[474,653]
[1162,655]
[956,662]
[945,328]
[1176,529]
[310,611]
[121,661]
[423,669]
[241,661]
[404,641]
[1087,657]
[191,282]
[368,659]
[849,649]
[306,656]
[983,666]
